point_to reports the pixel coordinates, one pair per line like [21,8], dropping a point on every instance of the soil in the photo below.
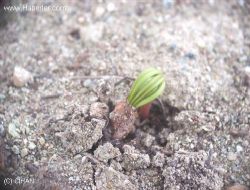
[55,128]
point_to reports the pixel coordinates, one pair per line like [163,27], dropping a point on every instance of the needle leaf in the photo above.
[147,87]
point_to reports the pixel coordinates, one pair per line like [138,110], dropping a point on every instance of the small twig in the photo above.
[94,77]
[125,78]
[52,96]
[65,118]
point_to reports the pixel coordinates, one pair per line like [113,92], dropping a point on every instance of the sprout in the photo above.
[147,87]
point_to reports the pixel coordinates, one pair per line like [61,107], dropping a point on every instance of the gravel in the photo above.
[21,76]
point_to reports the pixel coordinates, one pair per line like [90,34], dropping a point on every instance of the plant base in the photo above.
[122,120]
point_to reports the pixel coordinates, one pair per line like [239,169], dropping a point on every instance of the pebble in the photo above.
[190,56]
[21,76]
[239,148]
[231,156]
[15,149]
[25,141]
[31,167]
[81,20]
[13,130]
[31,146]
[93,32]
[78,157]
[25,130]
[88,83]
[247,69]
[24,152]
[93,98]
[2,97]
[42,141]
[84,160]
[99,11]
[111,7]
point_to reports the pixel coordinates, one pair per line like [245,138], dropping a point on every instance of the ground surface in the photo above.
[54,133]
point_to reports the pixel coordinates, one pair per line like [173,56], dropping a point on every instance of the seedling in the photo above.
[147,87]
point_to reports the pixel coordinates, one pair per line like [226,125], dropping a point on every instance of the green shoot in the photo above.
[147,87]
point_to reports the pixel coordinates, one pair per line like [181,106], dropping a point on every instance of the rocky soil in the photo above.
[61,73]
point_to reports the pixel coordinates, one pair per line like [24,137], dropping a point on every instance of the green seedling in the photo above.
[148,86]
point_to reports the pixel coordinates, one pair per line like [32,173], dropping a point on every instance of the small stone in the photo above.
[81,20]
[13,130]
[201,43]
[99,11]
[84,160]
[231,156]
[74,33]
[31,146]
[42,141]
[239,148]
[25,141]
[190,55]
[25,130]
[99,110]
[93,32]
[24,152]
[106,152]
[247,69]
[78,157]
[31,167]
[21,76]
[93,98]
[88,83]
[221,171]
[111,7]
[159,160]
[2,97]
[15,149]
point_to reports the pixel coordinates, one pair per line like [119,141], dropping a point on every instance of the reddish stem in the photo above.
[144,111]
